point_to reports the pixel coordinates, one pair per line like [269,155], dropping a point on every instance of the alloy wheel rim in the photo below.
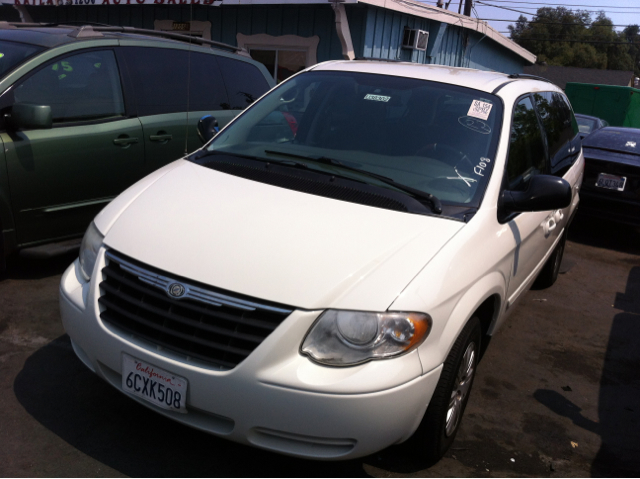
[461,388]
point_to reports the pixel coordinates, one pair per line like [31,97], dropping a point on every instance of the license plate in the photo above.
[611,182]
[159,387]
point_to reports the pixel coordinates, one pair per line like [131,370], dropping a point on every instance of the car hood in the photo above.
[272,243]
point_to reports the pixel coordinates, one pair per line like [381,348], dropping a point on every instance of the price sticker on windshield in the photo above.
[480,109]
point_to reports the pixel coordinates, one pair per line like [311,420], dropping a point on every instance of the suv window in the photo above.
[244,82]
[560,128]
[80,87]
[160,80]
[526,149]
[12,54]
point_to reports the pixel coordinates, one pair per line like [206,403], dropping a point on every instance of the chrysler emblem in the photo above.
[176,290]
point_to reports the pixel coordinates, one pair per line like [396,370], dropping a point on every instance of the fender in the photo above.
[7,226]
[433,353]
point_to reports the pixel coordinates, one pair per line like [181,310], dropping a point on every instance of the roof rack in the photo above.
[525,76]
[371,59]
[87,30]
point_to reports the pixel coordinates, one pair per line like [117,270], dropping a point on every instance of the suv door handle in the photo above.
[165,137]
[548,225]
[125,141]
[558,215]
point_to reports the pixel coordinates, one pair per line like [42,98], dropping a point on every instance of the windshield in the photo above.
[432,137]
[12,54]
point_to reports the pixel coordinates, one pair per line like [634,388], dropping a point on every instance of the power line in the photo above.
[576,41]
[544,4]
[533,8]
[586,25]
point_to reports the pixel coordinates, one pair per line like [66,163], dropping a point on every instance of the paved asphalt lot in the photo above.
[557,393]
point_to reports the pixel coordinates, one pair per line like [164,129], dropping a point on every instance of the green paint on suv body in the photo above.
[119,106]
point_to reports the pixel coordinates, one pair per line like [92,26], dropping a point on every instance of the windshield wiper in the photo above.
[434,202]
[295,164]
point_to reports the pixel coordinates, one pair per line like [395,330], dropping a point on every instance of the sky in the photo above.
[621,12]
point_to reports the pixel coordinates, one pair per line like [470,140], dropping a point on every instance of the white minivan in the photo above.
[318,279]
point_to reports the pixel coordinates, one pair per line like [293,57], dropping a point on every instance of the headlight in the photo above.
[89,250]
[345,338]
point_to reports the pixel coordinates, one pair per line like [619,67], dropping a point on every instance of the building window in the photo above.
[283,56]
[194,28]
[280,63]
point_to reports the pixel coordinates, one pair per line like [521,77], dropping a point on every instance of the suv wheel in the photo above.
[441,422]
[549,273]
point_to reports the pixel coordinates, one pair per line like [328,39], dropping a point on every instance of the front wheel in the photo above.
[441,422]
[549,273]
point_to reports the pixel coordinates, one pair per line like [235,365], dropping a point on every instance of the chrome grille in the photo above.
[205,323]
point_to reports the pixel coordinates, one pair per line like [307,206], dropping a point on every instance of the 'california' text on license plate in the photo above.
[611,182]
[156,385]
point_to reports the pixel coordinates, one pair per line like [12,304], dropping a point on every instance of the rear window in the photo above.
[244,82]
[12,54]
[585,124]
[161,76]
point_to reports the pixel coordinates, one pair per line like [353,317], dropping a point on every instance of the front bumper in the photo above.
[276,398]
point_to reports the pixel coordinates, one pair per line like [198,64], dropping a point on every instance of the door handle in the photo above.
[125,141]
[165,137]
[558,215]
[548,225]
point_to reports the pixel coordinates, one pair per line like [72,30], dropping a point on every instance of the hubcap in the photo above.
[460,389]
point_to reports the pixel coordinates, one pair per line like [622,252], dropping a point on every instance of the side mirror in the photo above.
[30,116]
[207,128]
[544,193]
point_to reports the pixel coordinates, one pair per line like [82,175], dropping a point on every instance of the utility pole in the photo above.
[467,7]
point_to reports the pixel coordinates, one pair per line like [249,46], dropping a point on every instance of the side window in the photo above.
[244,82]
[206,91]
[560,128]
[80,87]
[159,79]
[526,149]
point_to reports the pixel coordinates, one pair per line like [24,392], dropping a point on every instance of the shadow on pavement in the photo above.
[619,398]
[605,234]
[59,392]
[21,267]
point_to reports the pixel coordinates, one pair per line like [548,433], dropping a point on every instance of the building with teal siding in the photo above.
[288,35]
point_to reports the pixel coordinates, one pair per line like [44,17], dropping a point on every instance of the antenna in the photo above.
[186,126]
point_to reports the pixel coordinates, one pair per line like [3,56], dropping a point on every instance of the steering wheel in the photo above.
[440,149]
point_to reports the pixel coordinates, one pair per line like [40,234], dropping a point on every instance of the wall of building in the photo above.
[485,54]
[376,32]
[276,20]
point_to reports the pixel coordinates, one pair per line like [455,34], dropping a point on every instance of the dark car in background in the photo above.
[87,111]
[611,187]
[588,124]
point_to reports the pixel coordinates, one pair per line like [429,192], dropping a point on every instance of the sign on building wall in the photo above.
[214,3]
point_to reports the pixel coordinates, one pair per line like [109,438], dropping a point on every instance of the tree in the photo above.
[559,36]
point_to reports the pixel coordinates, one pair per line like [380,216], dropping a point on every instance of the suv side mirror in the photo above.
[544,193]
[207,128]
[30,116]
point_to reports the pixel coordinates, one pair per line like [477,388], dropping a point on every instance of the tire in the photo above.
[441,422]
[549,272]
[3,258]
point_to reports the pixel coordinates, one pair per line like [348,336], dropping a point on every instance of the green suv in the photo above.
[87,111]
